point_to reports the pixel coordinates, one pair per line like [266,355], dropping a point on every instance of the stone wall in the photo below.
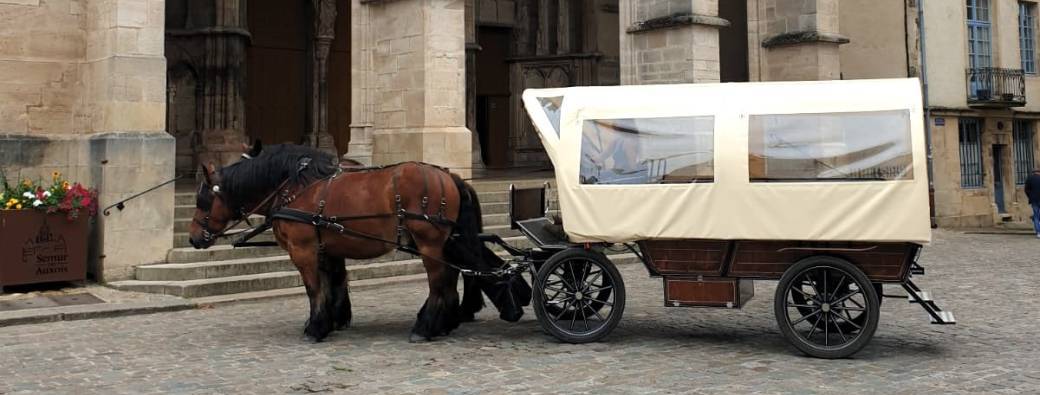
[82,91]
[877,31]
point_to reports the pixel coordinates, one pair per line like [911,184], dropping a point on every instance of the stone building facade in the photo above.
[123,94]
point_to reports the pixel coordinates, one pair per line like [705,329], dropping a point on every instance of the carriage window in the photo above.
[551,106]
[860,146]
[648,150]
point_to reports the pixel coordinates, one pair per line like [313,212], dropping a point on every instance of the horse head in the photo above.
[212,213]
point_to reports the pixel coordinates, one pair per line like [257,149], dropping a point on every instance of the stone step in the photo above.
[227,253]
[195,288]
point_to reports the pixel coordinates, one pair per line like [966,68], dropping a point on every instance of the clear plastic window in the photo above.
[648,150]
[551,106]
[854,146]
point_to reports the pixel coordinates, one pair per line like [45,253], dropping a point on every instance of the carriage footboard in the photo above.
[924,298]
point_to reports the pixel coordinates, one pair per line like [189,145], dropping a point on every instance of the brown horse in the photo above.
[366,213]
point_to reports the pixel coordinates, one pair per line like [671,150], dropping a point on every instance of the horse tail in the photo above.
[466,249]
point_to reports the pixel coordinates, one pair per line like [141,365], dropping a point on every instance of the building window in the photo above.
[1023,136]
[971,152]
[979,52]
[1027,36]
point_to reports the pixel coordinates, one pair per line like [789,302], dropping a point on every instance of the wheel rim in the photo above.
[578,296]
[827,302]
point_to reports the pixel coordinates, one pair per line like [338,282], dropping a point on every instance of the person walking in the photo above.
[1033,193]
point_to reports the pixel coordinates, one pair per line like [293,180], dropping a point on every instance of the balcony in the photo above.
[996,88]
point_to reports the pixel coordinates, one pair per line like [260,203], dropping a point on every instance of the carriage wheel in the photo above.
[817,325]
[856,318]
[579,296]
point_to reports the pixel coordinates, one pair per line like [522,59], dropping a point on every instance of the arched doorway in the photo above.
[274,70]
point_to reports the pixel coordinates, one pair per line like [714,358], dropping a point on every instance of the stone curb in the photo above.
[103,310]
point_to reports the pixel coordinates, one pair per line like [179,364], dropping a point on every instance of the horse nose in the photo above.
[191,240]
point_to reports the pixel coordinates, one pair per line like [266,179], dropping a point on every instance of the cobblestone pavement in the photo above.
[988,280]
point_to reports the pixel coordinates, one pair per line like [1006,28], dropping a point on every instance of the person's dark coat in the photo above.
[1033,189]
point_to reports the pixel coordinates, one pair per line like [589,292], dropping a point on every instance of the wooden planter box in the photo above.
[37,248]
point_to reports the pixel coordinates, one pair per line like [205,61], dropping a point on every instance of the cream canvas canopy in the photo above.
[829,160]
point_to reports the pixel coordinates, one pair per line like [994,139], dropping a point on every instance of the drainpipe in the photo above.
[927,111]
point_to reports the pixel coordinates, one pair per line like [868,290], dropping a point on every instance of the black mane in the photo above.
[250,180]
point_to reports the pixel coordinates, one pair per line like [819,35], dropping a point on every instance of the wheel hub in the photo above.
[826,307]
[579,296]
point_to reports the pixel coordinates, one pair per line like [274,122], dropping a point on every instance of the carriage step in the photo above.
[916,269]
[943,318]
[922,297]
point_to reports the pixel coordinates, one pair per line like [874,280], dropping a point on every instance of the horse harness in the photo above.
[278,210]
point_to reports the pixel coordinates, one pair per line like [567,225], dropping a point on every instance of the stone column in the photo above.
[324,31]
[794,40]
[669,41]
[360,147]
[222,75]
[127,149]
[419,87]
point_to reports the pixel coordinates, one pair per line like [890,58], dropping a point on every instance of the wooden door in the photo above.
[277,69]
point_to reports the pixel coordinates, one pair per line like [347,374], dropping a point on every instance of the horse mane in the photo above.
[250,180]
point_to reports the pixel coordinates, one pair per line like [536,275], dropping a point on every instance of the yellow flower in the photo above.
[56,175]
[19,206]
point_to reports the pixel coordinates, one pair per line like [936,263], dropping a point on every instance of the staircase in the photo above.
[222,270]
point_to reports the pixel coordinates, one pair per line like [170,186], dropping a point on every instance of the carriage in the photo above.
[820,185]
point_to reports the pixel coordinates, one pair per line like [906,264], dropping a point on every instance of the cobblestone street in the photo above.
[989,281]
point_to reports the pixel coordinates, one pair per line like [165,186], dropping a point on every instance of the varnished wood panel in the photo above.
[704,257]
[881,262]
[707,291]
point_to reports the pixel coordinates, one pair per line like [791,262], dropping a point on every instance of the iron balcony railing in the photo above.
[996,87]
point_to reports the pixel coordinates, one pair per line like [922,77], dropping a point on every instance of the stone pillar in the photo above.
[669,41]
[127,149]
[419,87]
[222,75]
[324,19]
[472,48]
[361,77]
[794,40]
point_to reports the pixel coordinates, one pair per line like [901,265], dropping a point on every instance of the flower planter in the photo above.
[36,247]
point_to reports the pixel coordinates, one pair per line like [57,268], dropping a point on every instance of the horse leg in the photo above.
[336,272]
[316,281]
[440,314]
[472,299]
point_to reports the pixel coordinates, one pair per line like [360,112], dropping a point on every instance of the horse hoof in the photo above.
[467,317]
[417,338]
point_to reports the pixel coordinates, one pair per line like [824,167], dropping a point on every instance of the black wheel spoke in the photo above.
[846,297]
[842,281]
[858,327]
[826,327]
[809,306]
[844,308]
[598,315]
[585,317]
[813,330]
[559,291]
[563,310]
[805,317]
[838,327]
[807,296]
[599,274]
[591,290]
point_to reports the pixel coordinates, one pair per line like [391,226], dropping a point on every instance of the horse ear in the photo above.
[210,171]
[258,147]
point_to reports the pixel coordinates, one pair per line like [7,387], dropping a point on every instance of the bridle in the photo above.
[208,235]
